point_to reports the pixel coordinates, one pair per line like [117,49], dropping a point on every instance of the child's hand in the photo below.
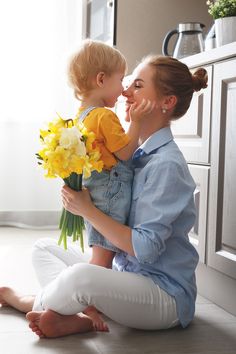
[137,112]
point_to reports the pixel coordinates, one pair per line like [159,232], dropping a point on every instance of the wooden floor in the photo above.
[213,330]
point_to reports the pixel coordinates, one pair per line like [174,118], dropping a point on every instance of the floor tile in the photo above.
[27,343]
[213,330]
[12,321]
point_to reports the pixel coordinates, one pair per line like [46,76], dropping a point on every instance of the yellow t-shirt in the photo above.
[110,135]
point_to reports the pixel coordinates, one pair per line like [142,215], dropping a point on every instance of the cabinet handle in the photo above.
[110,3]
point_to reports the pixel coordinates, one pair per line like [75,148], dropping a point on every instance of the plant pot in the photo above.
[225,30]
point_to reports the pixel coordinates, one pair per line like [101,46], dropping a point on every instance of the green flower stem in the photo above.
[75,227]
[63,215]
[70,224]
[65,241]
[82,242]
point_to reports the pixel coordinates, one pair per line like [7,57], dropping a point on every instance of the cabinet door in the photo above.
[222,194]
[197,235]
[191,132]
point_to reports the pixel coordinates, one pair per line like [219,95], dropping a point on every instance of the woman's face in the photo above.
[142,86]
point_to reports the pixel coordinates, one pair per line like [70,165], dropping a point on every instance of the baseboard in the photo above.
[217,287]
[39,219]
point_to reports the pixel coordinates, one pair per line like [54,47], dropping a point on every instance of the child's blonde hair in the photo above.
[93,57]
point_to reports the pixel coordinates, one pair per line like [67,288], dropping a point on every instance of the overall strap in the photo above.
[84,114]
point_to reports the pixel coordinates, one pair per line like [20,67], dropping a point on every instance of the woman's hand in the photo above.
[78,203]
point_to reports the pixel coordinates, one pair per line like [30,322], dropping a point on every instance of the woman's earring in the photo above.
[163,110]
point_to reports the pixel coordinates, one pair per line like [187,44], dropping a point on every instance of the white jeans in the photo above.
[70,285]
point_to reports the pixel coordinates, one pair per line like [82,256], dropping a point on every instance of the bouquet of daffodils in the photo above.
[69,151]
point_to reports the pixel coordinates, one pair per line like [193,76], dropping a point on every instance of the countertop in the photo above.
[212,55]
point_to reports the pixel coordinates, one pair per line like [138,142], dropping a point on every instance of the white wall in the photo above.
[37,37]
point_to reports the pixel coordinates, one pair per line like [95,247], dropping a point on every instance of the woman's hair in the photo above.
[172,77]
[93,57]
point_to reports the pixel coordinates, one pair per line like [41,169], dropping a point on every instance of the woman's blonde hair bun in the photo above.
[200,79]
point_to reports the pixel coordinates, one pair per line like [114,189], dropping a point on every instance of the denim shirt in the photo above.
[161,216]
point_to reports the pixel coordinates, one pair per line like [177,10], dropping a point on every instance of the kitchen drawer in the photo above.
[192,131]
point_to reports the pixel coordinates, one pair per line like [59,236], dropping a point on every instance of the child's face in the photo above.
[113,88]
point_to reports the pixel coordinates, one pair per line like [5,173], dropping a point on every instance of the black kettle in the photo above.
[189,40]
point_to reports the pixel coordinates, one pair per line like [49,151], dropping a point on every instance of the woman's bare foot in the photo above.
[98,323]
[50,324]
[9,297]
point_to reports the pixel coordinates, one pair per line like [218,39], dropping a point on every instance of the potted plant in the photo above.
[224,14]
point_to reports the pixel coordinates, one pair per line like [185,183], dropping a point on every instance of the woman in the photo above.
[152,283]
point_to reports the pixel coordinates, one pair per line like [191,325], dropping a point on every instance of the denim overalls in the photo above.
[111,193]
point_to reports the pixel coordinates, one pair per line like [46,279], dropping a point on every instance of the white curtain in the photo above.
[36,38]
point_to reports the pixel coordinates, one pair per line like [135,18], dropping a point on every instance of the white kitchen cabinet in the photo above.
[222,196]
[207,137]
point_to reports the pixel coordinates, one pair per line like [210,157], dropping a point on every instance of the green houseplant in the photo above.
[224,14]
[222,8]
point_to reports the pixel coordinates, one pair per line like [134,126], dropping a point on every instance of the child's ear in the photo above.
[100,79]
